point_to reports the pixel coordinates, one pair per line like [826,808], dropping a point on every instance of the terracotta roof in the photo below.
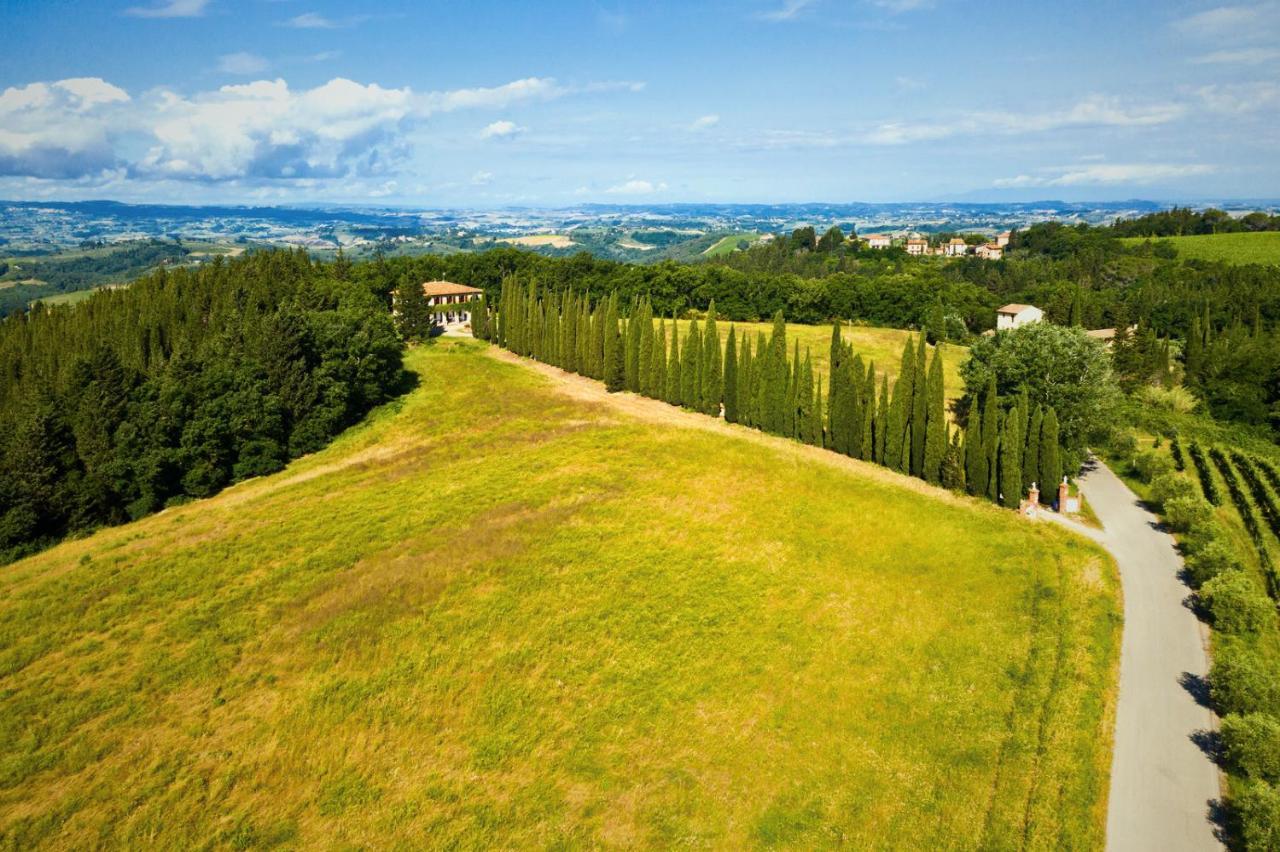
[1014,309]
[876,237]
[956,241]
[917,242]
[448,288]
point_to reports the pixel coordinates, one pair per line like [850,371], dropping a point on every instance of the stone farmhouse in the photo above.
[450,302]
[1014,316]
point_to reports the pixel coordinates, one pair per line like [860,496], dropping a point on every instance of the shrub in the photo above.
[1200,536]
[1251,744]
[1152,463]
[1235,603]
[1123,445]
[1241,682]
[1259,808]
[1177,399]
[1188,511]
[1214,557]
[1166,486]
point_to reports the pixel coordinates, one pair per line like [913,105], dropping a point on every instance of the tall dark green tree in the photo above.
[413,314]
[882,421]
[658,363]
[614,354]
[774,379]
[675,367]
[919,410]
[644,367]
[1031,453]
[690,377]
[975,454]
[731,377]
[1011,461]
[867,446]
[1050,456]
[712,377]
[991,429]
[935,445]
[952,473]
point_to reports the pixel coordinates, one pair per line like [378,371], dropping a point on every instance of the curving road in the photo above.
[1163,785]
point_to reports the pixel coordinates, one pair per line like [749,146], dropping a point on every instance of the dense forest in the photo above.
[56,275]
[180,384]
[1182,221]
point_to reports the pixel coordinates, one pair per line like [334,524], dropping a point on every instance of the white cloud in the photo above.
[636,187]
[482,178]
[1094,111]
[501,130]
[317,21]
[60,130]
[788,11]
[241,63]
[257,132]
[1238,56]
[1222,20]
[170,9]
[1240,98]
[496,97]
[899,6]
[1107,174]
[705,122]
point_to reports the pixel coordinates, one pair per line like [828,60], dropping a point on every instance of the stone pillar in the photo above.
[1033,496]
[1063,490]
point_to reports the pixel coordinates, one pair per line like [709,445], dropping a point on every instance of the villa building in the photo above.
[957,247]
[878,241]
[989,251]
[1002,240]
[917,246]
[449,302]
[1014,316]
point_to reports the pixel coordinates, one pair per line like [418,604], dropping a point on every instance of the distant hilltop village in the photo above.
[955,247]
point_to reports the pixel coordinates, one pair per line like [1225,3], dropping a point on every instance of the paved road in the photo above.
[1162,783]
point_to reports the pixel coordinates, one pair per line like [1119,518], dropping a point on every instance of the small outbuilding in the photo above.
[1015,316]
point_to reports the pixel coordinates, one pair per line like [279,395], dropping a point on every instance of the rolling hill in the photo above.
[508,610]
[1260,247]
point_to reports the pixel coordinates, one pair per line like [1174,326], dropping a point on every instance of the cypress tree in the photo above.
[1050,456]
[791,417]
[658,370]
[952,474]
[975,456]
[935,445]
[804,401]
[569,327]
[631,352]
[758,381]
[712,380]
[881,428]
[644,367]
[894,423]
[835,401]
[744,382]
[479,319]
[855,402]
[991,441]
[1010,462]
[1194,354]
[1077,309]
[867,446]
[773,381]
[675,381]
[815,416]
[689,379]
[413,314]
[731,377]
[597,339]
[1031,453]
[919,411]
[614,354]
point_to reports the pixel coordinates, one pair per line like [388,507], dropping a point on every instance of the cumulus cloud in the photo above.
[61,130]
[788,11]
[501,130]
[705,122]
[258,131]
[241,63]
[482,178]
[171,9]
[1240,98]
[636,187]
[1104,174]
[317,21]
[899,6]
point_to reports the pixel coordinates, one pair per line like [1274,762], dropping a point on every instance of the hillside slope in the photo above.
[500,614]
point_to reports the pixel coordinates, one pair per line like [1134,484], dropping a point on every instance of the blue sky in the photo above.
[488,104]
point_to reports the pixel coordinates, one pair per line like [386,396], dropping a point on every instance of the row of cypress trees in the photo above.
[757,383]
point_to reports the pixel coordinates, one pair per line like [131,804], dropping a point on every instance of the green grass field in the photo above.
[496,615]
[1261,247]
[729,244]
[882,345]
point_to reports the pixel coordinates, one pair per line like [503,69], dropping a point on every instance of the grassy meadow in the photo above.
[882,345]
[729,244]
[1258,247]
[499,615]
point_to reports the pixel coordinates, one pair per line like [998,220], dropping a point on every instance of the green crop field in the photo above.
[501,615]
[881,345]
[1260,247]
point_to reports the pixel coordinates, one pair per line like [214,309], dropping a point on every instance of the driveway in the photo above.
[1163,784]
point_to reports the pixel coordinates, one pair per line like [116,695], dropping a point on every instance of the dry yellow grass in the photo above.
[503,615]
